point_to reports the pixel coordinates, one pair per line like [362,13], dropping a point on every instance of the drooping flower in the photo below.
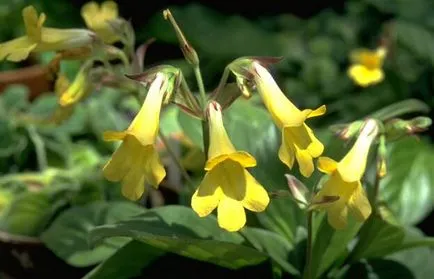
[78,89]
[97,18]
[298,140]
[344,181]
[227,185]
[39,38]
[367,66]
[136,160]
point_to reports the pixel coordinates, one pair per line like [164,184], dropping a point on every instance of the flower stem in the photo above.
[200,85]
[307,267]
[175,158]
[41,154]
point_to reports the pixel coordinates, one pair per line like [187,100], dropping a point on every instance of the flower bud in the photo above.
[298,190]
[187,49]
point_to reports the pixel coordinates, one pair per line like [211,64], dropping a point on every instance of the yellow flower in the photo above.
[97,19]
[39,38]
[344,181]
[367,66]
[298,140]
[227,184]
[136,160]
[79,89]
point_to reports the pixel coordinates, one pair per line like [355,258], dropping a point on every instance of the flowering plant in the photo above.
[246,152]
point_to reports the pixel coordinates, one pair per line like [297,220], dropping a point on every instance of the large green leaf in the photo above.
[379,238]
[408,188]
[67,237]
[277,247]
[179,230]
[127,262]
[378,269]
[418,260]
[329,245]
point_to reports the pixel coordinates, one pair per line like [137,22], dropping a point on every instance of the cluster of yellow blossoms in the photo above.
[227,185]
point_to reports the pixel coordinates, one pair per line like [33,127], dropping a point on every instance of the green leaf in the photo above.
[211,38]
[169,122]
[30,212]
[67,237]
[15,98]
[415,38]
[329,244]
[192,127]
[379,238]
[179,230]
[274,245]
[408,187]
[104,117]
[127,262]
[379,268]
[418,260]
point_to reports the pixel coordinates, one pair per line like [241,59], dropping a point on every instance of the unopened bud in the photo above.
[187,49]
[298,190]
[347,131]
[397,128]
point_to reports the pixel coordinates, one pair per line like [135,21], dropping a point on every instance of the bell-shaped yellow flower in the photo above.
[298,140]
[136,160]
[344,181]
[78,89]
[367,66]
[97,19]
[227,184]
[39,38]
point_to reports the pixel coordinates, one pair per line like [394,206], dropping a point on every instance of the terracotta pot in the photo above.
[34,77]
[27,257]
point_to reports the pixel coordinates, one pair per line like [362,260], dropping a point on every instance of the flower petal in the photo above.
[113,135]
[286,154]
[243,158]
[133,184]
[207,196]
[256,198]
[154,171]
[122,159]
[17,49]
[364,76]
[305,162]
[359,204]
[316,112]
[327,165]
[231,215]
[337,215]
[109,9]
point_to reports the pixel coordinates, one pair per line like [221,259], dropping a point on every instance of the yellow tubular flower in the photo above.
[227,184]
[344,181]
[39,38]
[96,18]
[367,66]
[298,140]
[79,89]
[136,160]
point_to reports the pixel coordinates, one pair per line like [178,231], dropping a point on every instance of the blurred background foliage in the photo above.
[314,43]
